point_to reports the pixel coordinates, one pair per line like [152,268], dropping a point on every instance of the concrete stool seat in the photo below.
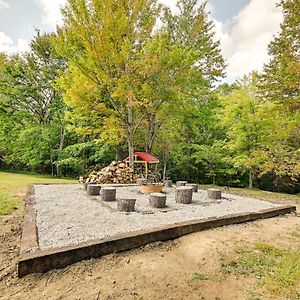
[126,205]
[184,194]
[157,200]
[108,193]
[194,186]
[141,181]
[168,183]
[214,194]
[93,189]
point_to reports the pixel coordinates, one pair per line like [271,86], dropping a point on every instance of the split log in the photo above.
[184,194]
[157,200]
[168,183]
[108,193]
[93,189]
[126,205]
[214,194]
[194,186]
[181,183]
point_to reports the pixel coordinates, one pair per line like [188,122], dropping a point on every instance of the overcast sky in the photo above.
[244,27]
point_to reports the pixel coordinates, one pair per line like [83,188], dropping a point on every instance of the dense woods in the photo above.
[130,75]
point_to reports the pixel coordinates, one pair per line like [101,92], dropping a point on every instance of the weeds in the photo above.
[277,270]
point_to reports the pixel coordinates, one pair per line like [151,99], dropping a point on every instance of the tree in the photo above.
[280,85]
[242,115]
[192,28]
[186,85]
[29,97]
[103,41]
[281,76]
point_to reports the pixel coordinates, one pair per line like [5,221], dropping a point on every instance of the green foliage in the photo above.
[80,158]
[114,77]
[280,81]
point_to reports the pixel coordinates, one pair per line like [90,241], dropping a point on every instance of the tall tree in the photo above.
[191,88]
[281,76]
[102,41]
[29,95]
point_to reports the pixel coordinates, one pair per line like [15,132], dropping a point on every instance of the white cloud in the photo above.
[245,39]
[4,4]
[8,46]
[51,11]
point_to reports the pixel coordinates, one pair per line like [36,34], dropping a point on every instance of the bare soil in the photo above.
[157,271]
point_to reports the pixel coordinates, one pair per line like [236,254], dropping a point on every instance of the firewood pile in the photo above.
[116,172]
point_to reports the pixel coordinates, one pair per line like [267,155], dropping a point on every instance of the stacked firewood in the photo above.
[116,172]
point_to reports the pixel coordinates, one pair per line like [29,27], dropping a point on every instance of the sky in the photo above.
[244,28]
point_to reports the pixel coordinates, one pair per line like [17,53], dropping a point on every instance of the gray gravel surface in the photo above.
[67,216]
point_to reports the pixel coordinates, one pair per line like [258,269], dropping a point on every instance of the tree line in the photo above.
[131,75]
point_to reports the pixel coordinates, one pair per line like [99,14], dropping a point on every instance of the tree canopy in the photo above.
[131,75]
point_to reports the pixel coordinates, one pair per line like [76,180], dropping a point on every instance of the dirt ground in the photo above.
[157,271]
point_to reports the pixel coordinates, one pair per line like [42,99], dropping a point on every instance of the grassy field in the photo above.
[13,188]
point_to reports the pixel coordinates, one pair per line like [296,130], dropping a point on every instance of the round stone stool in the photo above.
[214,194]
[157,200]
[194,186]
[108,193]
[141,181]
[168,183]
[181,183]
[93,189]
[126,205]
[184,194]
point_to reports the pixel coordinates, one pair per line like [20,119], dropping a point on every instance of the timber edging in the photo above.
[41,261]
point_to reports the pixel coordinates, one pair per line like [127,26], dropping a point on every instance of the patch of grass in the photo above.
[276,270]
[199,276]
[255,193]
[13,188]
[296,233]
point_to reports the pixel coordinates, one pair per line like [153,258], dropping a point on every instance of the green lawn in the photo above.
[13,187]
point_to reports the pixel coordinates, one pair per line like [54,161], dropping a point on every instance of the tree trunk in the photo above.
[118,153]
[61,146]
[165,170]
[151,132]
[251,175]
[130,136]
